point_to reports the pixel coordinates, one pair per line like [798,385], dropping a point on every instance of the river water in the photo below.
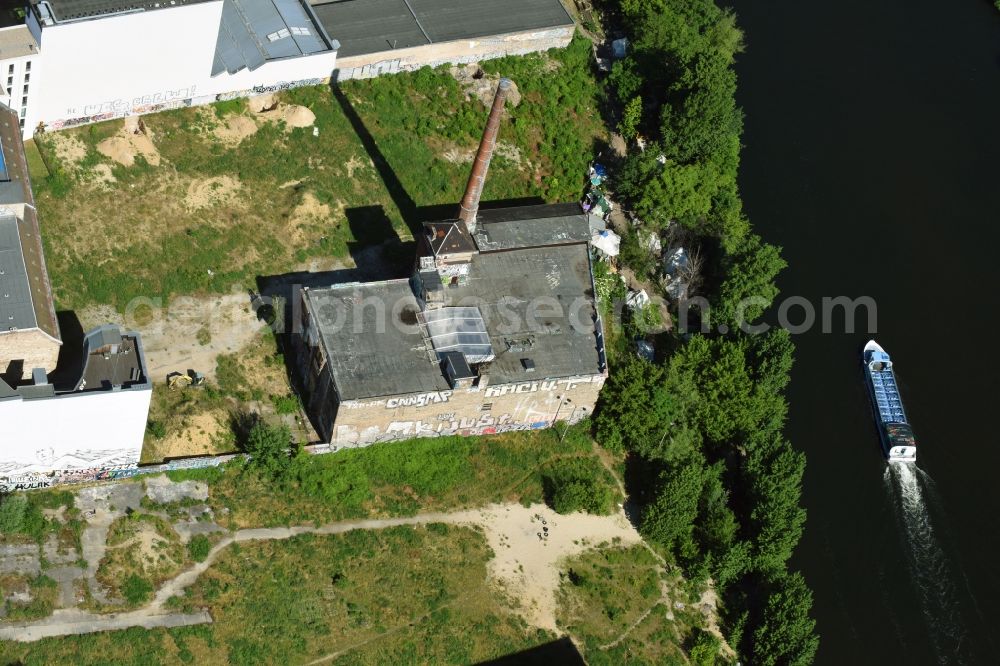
[873,157]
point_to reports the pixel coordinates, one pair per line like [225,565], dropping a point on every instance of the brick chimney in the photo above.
[480,167]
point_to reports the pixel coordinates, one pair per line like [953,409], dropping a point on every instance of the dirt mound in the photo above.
[297,116]
[477,83]
[211,192]
[234,129]
[263,103]
[132,141]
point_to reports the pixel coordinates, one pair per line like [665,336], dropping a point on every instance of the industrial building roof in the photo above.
[16,311]
[370,26]
[531,307]
[26,297]
[253,32]
[72,10]
[527,226]
[371,350]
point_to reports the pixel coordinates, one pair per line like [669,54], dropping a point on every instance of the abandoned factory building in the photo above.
[497,329]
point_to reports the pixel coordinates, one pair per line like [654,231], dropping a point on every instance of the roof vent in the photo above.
[529,365]
[39,377]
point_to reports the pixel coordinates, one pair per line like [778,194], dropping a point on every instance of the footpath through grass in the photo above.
[399,595]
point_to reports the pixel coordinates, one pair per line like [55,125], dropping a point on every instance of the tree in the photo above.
[748,288]
[270,449]
[774,475]
[669,519]
[786,634]
[628,126]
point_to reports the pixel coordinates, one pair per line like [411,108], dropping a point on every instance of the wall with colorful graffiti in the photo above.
[475,411]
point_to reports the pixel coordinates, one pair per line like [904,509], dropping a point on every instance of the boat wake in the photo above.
[930,568]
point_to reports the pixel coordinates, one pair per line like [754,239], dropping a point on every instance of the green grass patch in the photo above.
[399,595]
[37,170]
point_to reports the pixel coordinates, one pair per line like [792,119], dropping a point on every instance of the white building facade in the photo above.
[140,57]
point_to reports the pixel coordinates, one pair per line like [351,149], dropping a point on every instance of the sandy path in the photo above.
[525,564]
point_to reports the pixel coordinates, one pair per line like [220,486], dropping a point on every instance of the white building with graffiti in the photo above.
[68,62]
[84,422]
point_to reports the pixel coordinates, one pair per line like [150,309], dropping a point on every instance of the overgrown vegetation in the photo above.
[605,592]
[579,484]
[22,517]
[718,483]
[366,593]
[142,551]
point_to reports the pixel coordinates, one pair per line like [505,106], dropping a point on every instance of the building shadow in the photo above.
[561,651]
[69,367]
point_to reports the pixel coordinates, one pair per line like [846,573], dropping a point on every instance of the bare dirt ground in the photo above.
[171,335]
[197,438]
[69,150]
[132,141]
[209,192]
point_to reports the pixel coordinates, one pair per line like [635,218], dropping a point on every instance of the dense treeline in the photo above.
[720,484]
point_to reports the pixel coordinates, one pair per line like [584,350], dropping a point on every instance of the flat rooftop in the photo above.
[73,10]
[16,41]
[370,26]
[373,351]
[536,300]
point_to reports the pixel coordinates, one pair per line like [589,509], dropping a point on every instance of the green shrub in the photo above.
[285,404]
[199,547]
[12,510]
[156,428]
[578,484]
[137,590]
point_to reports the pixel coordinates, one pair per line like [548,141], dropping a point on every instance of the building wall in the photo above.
[32,346]
[528,405]
[20,78]
[457,52]
[148,61]
[106,432]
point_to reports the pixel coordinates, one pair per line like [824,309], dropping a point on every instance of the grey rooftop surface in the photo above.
[70,10]
[253,32]
[529,226]
[112,359]
[370,26]
[537,304]
[16,311]
[27,271]
[371,350]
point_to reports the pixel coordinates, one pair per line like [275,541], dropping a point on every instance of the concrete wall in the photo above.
[456,52]
[477,411]
[32,346]
[148,61]
[13,72]
[72,432]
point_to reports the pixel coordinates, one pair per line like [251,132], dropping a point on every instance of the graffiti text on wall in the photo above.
[421,400]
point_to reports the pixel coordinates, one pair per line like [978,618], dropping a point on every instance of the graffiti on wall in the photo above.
[62,477]
[419,400]
[264,90]
[533,387]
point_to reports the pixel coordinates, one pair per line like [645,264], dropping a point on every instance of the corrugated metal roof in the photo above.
[370,26]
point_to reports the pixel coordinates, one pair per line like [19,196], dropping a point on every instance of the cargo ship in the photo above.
[898,443]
